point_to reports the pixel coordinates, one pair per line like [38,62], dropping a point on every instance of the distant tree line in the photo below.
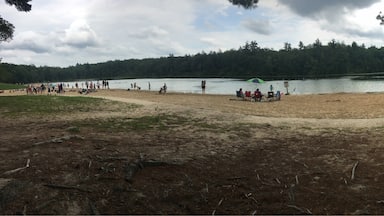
[334,59]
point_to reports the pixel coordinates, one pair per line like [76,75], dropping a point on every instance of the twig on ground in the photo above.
[305,165]
[218,204]
[353,170]
[291,193]
[221,201]
[18,169]
[25,210]
[301,210]
[58,140]
[249,196]
[277,180]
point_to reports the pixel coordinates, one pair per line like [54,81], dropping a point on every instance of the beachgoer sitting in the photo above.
[257,95]
[84,91]
[248,94]
[240,93]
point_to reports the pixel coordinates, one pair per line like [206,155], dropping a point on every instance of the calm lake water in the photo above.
[229,86]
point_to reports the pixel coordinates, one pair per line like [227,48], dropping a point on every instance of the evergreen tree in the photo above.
[7,28]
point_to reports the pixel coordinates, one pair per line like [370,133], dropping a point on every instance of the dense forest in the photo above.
[317,60]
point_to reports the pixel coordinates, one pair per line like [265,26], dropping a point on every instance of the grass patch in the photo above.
[73,130]
[14,106]
[157,122]
[7,86]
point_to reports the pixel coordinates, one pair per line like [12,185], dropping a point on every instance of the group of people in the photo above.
[92,86]
[31,89]
[257,95]
[134,86]
[84,87]
[58,88]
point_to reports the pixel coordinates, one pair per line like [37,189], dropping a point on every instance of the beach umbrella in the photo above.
[255,80]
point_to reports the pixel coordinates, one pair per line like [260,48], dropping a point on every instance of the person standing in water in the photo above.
[203,85]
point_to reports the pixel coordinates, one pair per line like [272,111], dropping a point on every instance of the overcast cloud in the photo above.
[66,32]
[313,8]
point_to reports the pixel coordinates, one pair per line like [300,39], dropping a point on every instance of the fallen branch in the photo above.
[58,140]
[18,169]
[353,170]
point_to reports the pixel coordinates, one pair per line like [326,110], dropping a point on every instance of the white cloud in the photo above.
[66,32]
[80,35]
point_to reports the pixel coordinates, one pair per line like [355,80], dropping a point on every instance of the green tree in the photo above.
[247,4]
[7,28]
[301,45]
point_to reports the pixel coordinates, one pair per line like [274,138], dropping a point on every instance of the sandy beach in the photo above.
[319,111]
[340,110]
[324,106]
[327,106]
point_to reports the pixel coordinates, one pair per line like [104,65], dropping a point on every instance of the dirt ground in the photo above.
[313,154]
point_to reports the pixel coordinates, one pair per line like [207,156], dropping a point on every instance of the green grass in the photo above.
[157,122]
[7,86]
[40,106]
[54,105]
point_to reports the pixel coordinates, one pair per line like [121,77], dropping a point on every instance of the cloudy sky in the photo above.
[67,32]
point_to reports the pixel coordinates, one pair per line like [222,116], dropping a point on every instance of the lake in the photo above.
[229,86]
